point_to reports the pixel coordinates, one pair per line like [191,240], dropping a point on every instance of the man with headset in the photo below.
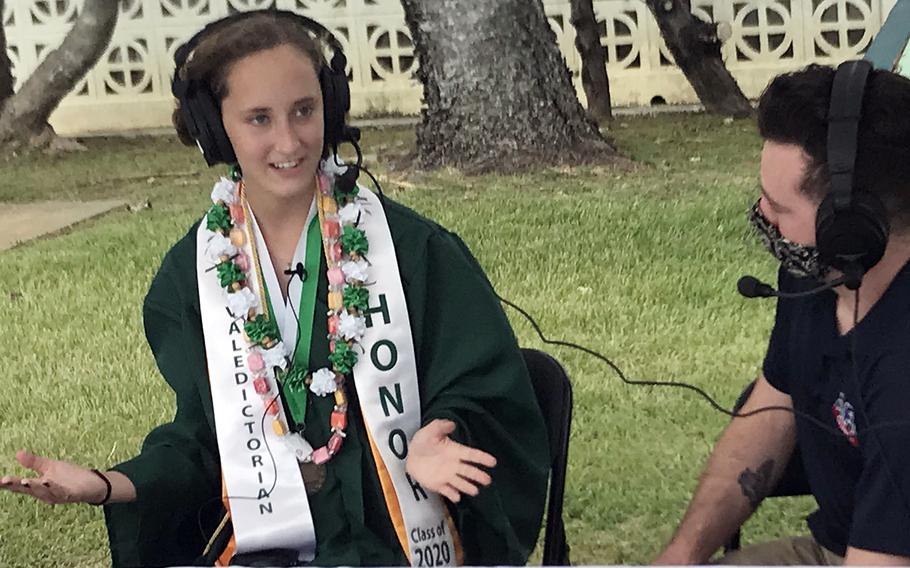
[835,211]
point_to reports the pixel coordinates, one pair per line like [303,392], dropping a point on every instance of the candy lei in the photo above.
[344,245]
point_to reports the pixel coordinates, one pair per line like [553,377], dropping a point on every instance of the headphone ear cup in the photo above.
[342,92]
[219,143]
[858,233]
[194,117]
[331,131]
[203,120]
[336,99]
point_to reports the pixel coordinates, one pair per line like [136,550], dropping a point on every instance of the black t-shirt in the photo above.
[860,479]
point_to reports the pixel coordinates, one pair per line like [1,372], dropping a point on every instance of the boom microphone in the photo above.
[752,287]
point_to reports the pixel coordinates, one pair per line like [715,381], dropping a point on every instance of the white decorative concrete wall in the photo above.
[129,87]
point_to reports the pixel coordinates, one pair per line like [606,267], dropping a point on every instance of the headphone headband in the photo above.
[185,51]
[843,127]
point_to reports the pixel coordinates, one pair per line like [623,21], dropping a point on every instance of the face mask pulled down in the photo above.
[799,260]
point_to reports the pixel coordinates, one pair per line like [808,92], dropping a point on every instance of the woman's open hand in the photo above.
[444,466]
[56,481]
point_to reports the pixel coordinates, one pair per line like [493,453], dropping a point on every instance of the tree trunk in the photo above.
[593,60]
[497,93]
[6,67]
[23,118]
[696,49]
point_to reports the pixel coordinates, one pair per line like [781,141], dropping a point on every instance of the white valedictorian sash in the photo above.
[267,499]
[265,492]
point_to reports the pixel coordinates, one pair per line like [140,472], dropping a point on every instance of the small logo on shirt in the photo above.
[845,418]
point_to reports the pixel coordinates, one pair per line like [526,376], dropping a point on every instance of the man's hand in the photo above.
[57,481]
[444,466]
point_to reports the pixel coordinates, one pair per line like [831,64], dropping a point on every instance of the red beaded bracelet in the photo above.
[107,483]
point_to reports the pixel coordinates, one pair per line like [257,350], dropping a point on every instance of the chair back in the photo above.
[554,396]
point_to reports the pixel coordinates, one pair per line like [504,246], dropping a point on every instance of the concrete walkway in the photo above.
[26,221]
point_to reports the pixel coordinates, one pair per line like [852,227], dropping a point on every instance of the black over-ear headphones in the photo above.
[202,113]
[851,226]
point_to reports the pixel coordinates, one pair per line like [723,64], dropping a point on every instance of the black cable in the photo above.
[358,164]
[375,182]
[264,437]
[268,493]
[714,404]
[678,384]
[360,167]
[296,317]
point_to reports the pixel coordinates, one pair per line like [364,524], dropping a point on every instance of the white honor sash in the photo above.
[268,503]
[386,380]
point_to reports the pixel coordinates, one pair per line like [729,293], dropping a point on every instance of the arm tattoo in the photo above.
[756,484]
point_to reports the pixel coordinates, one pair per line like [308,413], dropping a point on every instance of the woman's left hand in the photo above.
[444,466]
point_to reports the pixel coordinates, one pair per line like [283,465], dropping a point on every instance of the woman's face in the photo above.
[273,116]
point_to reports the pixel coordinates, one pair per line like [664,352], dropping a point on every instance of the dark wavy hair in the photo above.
[212,59]
[793,110]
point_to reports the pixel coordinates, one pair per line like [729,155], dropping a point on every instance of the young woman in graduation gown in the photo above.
[337,360]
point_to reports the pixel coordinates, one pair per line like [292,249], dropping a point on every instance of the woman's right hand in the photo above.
[56,481]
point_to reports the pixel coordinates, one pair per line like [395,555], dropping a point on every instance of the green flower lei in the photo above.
[260,329]
[228,273]
[354,241]
[219,219]
[356,297]
[343,358]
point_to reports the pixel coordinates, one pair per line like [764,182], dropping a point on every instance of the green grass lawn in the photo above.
[640,265]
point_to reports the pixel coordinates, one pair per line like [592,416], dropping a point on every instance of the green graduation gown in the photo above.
[470,371]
